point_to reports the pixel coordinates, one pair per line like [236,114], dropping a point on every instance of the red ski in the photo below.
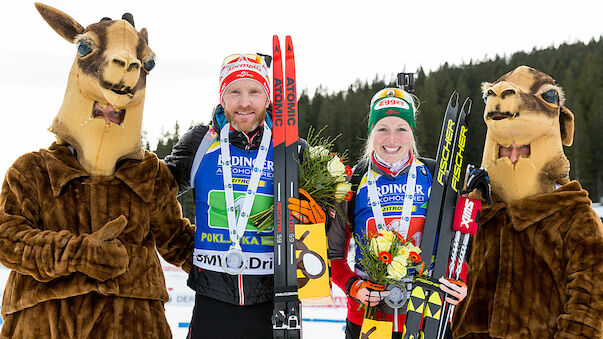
[286,319]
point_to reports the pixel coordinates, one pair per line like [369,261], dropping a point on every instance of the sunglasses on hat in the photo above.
[251,57]
[392,92]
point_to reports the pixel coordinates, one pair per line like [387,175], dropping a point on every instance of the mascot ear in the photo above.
[566,123]
[60,22]
[145,35]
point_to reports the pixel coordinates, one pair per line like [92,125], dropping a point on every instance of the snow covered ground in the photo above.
[318,322]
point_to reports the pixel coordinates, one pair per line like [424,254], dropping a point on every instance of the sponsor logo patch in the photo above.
[392,103]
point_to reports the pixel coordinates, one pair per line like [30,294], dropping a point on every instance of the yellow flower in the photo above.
[388,234]
[335,167]
[412,248]
[397,268]
[380,243]
[403,252]
[341,190]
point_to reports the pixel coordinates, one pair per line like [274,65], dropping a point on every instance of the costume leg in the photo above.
[89,316]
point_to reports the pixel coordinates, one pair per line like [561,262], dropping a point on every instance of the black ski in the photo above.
[433,309]
[420,291]
[286,317]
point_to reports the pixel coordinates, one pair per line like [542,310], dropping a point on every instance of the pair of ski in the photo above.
[286,318]
[426,299]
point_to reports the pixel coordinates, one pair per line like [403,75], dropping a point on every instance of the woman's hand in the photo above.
[455,288]
[368,293]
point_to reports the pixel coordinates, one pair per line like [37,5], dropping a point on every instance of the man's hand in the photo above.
[306,211]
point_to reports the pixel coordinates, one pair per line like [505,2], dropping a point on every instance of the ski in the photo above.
[433,308]
[417,300]
[286,318]
[466,214]
[280,204]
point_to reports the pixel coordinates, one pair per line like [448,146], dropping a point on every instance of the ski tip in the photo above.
[289,43]
[276,45]
[467,106]
[454,99]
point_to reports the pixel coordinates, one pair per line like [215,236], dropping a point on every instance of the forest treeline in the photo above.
[577,67]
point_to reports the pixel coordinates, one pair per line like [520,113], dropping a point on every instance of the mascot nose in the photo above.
[125,63]
[503,89]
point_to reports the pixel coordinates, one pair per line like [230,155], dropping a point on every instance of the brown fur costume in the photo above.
[82,248]
[535,270]
[537,260]
[81,222]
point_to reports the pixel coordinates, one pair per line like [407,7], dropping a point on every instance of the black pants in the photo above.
[352,331]
[215,319]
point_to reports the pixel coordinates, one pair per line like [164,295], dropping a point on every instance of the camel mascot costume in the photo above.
[537,258]
[82,221]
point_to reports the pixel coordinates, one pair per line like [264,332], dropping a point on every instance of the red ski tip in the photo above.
[276,44]
[289,43]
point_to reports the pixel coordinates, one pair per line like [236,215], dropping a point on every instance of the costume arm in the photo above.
[582,315]
[43,254]
[173,234]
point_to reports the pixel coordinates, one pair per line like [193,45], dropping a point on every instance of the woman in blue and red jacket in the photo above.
[391,154]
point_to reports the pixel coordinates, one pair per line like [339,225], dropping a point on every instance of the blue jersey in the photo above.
[391,191]
[212,234]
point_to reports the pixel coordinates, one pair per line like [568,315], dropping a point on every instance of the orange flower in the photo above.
[348,171]
[385,257]
[349,196]
[414,257]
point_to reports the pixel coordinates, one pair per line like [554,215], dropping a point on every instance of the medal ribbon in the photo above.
[409,192]
[236,226]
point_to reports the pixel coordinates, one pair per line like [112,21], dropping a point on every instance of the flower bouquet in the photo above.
[386,260]
[322,174]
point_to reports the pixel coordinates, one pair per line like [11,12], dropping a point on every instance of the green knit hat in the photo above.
[392,102]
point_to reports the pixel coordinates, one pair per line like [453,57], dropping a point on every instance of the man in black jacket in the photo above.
[229,166]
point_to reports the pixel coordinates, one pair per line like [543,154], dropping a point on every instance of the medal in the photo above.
[234,261]
[397,295]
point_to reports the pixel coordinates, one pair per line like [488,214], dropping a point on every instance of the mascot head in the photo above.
[101,114]
[528,125]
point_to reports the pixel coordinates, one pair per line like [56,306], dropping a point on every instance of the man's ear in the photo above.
[566,123]
[267,103]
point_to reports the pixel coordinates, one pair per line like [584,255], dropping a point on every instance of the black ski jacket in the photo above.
[216,285]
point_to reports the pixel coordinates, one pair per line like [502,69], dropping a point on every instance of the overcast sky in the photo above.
[336,43]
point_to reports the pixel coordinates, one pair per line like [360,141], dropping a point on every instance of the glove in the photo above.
[367,292]
[306,211]
[478,179]
[100,255]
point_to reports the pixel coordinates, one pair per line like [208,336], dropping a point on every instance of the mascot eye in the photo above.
[550,96]
[149,64]
[485,97]
[83,48]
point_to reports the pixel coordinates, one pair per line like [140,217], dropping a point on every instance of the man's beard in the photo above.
[246,126]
